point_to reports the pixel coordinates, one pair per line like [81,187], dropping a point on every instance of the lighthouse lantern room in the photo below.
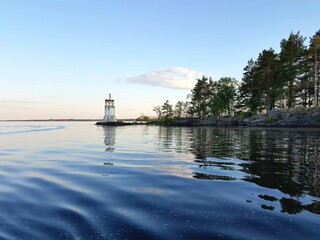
[109,110]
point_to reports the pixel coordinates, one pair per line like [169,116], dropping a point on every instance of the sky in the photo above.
[62,58]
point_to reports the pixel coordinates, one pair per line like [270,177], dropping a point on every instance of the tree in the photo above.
[284,79]
[217,105]
[305,86]
[179,109]
[227,91]
[201,96]
[222,100]
[166,110]
[314,52]
[267,78]
[305,83]
[249,92]
[291,54]
[157,109]
[186,109]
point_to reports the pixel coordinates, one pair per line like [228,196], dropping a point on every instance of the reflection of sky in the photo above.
[176,164]
[45,137]
[180,152]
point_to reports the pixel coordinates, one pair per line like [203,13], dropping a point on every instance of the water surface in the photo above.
[75,180]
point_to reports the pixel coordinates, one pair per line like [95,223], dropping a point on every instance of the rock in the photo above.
[115,123]
[278,114]
[258,122]
[297,115]
[315,116]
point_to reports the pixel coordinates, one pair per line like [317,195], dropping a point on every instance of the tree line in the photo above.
[283,80]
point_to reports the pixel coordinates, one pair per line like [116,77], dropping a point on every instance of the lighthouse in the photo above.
[109,110]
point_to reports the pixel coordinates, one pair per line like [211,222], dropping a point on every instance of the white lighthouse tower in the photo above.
[109,110]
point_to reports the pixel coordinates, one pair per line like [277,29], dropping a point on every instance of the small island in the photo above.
[276,90]
[286,118]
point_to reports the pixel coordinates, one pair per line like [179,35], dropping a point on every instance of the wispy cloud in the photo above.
[20,102]
[175,77]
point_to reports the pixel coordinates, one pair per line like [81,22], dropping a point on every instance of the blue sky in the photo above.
[61,58]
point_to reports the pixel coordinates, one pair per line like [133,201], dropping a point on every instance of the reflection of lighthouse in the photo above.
[110,137]
[109,110]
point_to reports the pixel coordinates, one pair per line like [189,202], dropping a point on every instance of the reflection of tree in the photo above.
[283,160]
[212,177]
[315,181]
[291,206]
[165,137]
[175,139]
[287,160]
[110,137]
[273,161]
[213,142]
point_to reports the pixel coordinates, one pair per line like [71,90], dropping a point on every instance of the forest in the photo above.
[284,80]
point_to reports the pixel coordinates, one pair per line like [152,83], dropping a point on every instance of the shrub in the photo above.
[272,119]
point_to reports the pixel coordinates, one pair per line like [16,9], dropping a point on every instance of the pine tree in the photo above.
[314,53]
[267,79]
[223,96]
[179,109]
[200,97]
[166,110]
[249,92]
[291,56]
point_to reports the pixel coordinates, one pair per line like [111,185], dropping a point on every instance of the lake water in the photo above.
[75,180]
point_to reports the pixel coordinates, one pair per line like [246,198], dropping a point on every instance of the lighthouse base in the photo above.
[114,123]
[109,119]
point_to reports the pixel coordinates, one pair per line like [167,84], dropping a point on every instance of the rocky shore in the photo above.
[119,123]
[296,118]
[299,117]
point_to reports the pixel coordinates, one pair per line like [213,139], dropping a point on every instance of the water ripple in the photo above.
[27,129]
[85,182]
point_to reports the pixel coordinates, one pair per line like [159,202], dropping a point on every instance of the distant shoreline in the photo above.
[50,120]
[58,120]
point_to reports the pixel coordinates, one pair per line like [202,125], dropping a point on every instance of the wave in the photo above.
[74,189]
[5,130]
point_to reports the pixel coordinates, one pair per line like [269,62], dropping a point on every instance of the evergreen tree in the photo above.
[179,109]
[304,86]
[249,92]
[291,56]
[223,96]
[266,78]
[186,109]
[200,97]
[166,110]
[284,79]
[217,105]
[314,53]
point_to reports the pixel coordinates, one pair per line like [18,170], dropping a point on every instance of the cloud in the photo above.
[175,77]
[20,102]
